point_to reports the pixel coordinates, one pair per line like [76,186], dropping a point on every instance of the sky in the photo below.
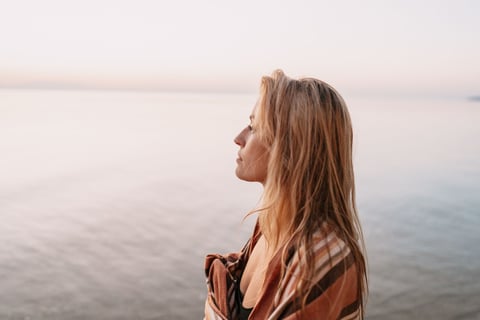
[391,47]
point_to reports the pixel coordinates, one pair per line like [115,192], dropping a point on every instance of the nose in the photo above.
[240,138]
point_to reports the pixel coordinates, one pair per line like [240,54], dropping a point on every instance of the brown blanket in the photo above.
[334,289]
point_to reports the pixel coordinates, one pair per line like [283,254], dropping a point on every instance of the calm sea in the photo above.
[110,200]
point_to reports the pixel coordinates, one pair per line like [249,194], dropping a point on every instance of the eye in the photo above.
[250,127]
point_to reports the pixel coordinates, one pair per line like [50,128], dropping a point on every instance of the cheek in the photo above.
[254,164]
[260,158]
[256,153]
[264,161]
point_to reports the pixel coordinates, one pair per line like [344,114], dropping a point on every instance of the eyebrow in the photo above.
[252,116]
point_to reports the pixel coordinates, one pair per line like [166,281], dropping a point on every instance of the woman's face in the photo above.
[253,155]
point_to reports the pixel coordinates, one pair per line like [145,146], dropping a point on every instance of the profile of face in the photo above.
[252,161]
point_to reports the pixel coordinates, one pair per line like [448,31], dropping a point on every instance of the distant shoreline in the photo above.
[474,98]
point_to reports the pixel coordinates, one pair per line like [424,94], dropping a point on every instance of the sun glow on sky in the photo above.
[416,47]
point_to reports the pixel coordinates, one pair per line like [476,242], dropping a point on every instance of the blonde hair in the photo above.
[310,179]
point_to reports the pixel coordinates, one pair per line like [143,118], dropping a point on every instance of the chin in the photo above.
[247,178]
[241,176]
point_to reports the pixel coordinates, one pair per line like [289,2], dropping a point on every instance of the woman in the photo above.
[305,259]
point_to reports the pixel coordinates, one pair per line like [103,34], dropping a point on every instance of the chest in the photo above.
[254,273]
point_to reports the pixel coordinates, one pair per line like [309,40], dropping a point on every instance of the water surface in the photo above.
[110,200]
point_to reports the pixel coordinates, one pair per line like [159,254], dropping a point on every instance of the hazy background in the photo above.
[369,47]
[117,121]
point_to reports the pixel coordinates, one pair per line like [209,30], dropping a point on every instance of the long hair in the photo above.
[310,179]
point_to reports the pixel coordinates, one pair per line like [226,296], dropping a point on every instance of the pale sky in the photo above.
[400,47]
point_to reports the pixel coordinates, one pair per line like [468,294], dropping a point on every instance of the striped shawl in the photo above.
[333,294]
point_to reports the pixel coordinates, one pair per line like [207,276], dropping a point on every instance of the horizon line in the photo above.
[126,89]
[47,87]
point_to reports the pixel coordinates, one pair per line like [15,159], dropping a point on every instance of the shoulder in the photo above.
[335,272]
[333,284]
[328,252]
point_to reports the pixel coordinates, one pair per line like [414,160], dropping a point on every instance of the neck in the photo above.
[274,239]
